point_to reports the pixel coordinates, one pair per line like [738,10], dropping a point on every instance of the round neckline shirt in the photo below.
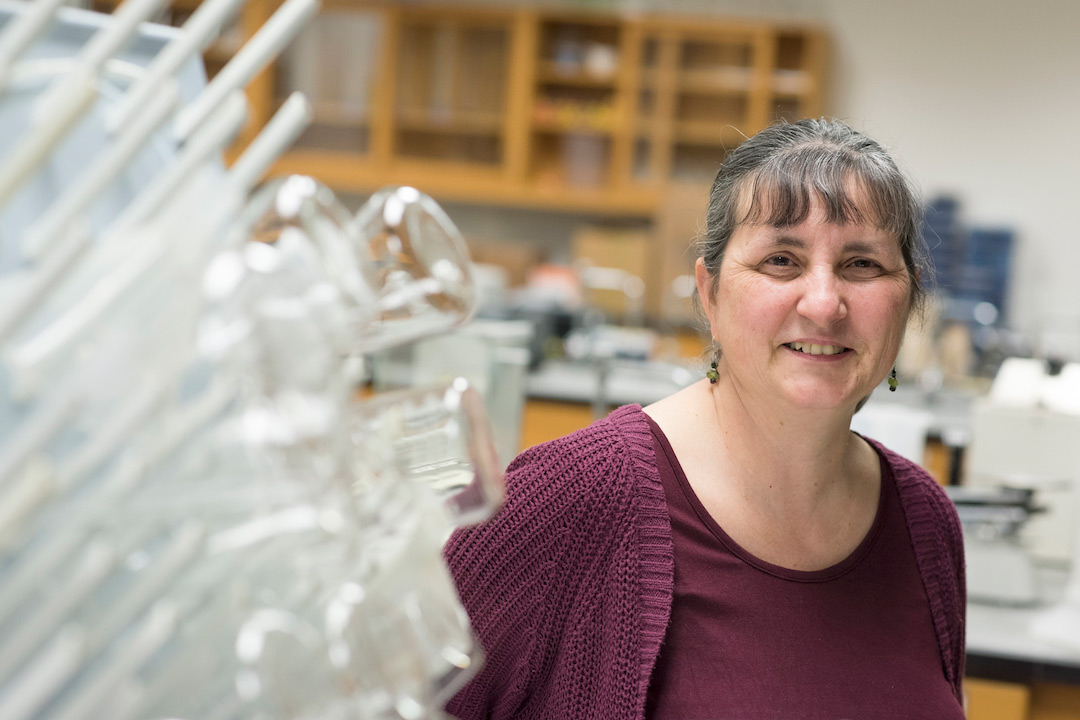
[569,590]
[750,640]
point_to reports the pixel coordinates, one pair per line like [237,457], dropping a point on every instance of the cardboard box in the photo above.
[680,223]
[516,258]
[630,250]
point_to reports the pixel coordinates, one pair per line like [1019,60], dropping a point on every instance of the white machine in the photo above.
[1000,570]
[1026,434]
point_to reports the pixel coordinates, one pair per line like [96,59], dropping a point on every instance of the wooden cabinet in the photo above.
[994,700]
[541,107]
[703,88]
[450,98]
[533,107]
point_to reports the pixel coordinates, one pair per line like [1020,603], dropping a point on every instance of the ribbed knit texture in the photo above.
[569,586]
[939,552]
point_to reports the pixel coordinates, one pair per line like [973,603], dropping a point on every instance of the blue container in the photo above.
[984,275]
[941,231]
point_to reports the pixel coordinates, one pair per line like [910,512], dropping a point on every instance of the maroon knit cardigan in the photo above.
[569,586]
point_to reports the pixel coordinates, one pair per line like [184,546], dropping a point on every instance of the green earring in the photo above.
[712,373]
[892,380]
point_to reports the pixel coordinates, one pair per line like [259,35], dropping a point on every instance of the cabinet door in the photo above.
[716,98]
[576,97]
[992,700]
[704,89]
[450,88]
[794,84]
[335,61]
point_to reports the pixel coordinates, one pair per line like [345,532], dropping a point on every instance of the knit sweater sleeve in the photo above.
[519,575]
[939,553]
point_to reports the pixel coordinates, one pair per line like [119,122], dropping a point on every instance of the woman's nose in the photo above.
[822,300]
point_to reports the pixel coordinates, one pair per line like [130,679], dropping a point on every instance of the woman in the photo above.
[734,550]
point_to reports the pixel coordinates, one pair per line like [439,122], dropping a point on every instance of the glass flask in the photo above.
[422,273]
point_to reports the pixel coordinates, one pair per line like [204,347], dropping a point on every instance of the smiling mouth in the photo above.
[811,349]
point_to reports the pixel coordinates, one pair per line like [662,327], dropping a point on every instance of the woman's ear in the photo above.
[704,284]
[705,288]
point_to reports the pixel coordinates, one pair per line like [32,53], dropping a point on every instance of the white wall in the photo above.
[980,98]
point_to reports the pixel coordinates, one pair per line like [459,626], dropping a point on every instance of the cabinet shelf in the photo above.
[708,134]
[791,82]
[551,73]
[696,133]
[723,80]
[335,114]
[711,81]
[464,182]
[456,122]
[556,127]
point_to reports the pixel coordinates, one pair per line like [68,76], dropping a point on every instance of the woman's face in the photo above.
[812,314]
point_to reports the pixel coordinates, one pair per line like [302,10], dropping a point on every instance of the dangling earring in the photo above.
[892,380]
[712,373]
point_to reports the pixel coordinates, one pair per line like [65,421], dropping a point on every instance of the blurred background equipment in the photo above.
[1000,570]
[1018,433]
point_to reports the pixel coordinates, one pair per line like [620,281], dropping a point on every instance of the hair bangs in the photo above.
[781,192]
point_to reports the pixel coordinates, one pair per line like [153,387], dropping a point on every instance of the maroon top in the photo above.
[752,640]
[569,586]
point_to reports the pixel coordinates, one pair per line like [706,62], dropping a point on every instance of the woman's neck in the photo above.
[796,489]
[791,460]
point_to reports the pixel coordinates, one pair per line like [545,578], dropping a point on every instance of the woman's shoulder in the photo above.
[565,499]
[572,504]
[623,439]
[931,516]
[562,483]
[914,483]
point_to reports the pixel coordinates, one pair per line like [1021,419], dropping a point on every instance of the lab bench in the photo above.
[1002,646]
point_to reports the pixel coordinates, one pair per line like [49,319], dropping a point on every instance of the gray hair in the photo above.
[776,170]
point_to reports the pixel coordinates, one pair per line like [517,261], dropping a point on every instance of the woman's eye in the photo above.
[780,266]
[864,267]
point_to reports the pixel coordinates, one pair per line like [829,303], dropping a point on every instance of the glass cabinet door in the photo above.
[450,102]
[335,62]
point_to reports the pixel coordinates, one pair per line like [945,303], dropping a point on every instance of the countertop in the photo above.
[1002,642]
[626,381]
[645,382]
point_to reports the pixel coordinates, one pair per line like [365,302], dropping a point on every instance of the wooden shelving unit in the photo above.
[539,108]
[535,107]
